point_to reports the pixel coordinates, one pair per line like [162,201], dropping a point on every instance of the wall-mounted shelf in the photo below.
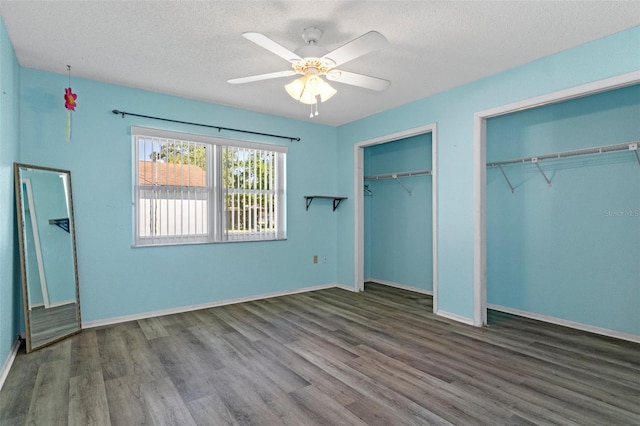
[336,200]
[60,223]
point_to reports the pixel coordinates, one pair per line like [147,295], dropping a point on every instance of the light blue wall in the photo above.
[398,225]
[453,112]
[571,250]
[10,296]
[117,280]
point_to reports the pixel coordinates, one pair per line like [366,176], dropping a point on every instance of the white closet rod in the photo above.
[397,175]
[627,146]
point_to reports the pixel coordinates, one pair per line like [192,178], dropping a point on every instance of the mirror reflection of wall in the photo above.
[47,254]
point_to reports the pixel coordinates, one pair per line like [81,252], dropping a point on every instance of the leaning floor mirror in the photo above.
[47,254]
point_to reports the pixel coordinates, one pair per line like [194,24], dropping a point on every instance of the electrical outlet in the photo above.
[315,258]
[324,260]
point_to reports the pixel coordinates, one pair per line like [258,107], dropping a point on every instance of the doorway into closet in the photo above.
[562,203]
[395,211]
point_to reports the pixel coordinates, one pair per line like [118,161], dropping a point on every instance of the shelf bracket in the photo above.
[395,176]
[336,203]
[506,178]
[534,160]
[634,147]
[60,223]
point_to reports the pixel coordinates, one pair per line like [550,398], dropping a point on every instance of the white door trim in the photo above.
[479,159]
[358,190]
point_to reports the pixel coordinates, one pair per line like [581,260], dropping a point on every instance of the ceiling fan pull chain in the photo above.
[316,109]
[311,109]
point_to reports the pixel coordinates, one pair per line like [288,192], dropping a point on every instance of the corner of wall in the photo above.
[4,371]
[9,271]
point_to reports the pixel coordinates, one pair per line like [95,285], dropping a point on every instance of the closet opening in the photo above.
[395,211]
[557,223]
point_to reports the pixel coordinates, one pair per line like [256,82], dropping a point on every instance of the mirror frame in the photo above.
[23,261]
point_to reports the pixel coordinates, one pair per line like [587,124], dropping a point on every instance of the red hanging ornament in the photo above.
[69,103]
[70,99]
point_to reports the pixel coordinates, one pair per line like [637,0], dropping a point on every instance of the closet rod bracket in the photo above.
[506,178]
[395,176]
[634,147]
[534,160]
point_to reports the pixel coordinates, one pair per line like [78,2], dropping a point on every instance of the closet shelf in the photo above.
[627,146]
[398,175]
[336,200]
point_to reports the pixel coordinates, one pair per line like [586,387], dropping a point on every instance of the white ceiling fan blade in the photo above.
[360,80]
[273,47]
[366,43]
[260,77]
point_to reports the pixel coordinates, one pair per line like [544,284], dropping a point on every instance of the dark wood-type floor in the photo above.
[327,357]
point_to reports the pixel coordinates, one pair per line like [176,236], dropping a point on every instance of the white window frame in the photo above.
[216,221]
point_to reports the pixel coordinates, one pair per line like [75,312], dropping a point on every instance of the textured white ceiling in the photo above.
[191,49]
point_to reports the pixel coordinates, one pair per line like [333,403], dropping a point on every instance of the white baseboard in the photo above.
[401,286]
[455,317]
[441,313]
[9,362]
[345,287]
[567,323]
[181,309]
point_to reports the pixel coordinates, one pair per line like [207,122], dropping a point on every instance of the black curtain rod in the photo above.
[123,113]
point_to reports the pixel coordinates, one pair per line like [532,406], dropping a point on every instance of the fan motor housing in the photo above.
[311,35]
[311,51]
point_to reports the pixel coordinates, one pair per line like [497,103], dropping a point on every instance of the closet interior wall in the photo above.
[568,250]
[398,234]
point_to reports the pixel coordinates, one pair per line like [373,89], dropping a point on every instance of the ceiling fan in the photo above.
[313,61]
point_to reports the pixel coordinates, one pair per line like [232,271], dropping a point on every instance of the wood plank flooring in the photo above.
[328,357]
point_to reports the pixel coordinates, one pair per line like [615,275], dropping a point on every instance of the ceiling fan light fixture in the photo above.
[326,91]
[296,87]
[307,88]
[313,85]
[308,98]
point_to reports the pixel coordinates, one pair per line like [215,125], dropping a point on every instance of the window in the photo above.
[197,189]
